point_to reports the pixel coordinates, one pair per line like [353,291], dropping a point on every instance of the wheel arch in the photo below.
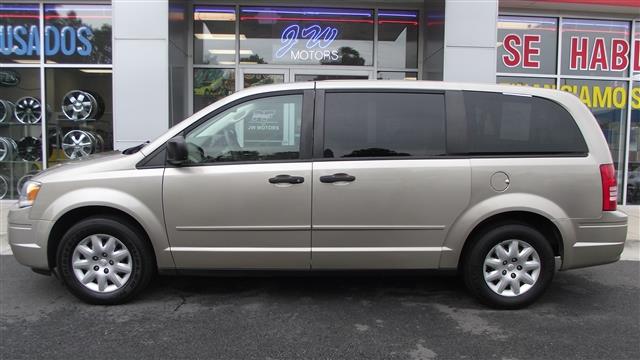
[73,216]
[531,209]
[539,222]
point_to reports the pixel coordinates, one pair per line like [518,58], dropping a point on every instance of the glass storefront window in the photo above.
[633,179]
[19,33]
[81,123]
[311,36]
[21,113]
[636,46]
[77,34]
[527,44]
[211,85]
[595,47]
[607,100]
[393,75]
[214,31]
[397,39]
[74,119]
[322,77]
[262,79]
[546,83]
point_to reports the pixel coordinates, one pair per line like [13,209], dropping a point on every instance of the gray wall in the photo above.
[140,63]
[470,40]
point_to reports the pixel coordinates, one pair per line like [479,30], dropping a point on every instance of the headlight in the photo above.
[29,192]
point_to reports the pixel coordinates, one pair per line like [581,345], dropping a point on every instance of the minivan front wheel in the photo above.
[509,266]
[104,260]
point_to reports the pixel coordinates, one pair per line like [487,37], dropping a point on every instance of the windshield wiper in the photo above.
[135,149]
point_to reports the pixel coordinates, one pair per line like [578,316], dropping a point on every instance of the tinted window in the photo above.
[383,124]
[500,123]
[261,129]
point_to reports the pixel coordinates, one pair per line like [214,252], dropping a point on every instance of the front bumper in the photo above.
[595,242]
[28,238]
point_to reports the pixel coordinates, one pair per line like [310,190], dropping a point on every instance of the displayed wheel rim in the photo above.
[102,263]
[30,148]
[95,103]
[97,141]
[22,181]
[511,268]
[28,110]
[6,110]
[7,148]
[77,144]
[4,187]
[78,105]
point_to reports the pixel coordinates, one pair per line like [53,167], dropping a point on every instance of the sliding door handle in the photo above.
[286,179]
[340,177]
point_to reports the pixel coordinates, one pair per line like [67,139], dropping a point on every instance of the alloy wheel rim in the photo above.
[4,149]
[4,187]
[77,144]
[28,110]
[511,268]
[78,105]
[102,263]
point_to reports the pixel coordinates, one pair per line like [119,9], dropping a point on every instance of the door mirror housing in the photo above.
[177,152]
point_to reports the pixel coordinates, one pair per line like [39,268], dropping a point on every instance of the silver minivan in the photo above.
[504,184]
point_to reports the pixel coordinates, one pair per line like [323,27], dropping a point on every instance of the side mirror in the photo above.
[177,153]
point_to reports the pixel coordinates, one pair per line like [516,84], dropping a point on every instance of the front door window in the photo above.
[260,129]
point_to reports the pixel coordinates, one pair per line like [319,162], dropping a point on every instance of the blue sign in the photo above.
[318,40]
[25,41]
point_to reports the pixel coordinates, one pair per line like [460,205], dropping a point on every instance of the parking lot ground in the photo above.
[591,313]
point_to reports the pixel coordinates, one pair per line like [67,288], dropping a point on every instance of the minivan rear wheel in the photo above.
[509,266]
[104,260]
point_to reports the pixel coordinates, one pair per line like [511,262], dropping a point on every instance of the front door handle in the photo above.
[286,179]
[340,177]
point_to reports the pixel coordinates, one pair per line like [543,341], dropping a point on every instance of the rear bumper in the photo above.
[28,238]
[594,242]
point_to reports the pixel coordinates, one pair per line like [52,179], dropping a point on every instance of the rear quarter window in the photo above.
[512,124]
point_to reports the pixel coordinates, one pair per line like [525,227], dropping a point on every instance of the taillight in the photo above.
[609,187]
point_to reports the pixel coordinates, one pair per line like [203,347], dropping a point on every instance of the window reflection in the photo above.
[398,39]
[214,35]
[78,34]
[211,85]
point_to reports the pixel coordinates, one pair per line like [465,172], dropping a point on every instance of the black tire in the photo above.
[142,257]
[473,265]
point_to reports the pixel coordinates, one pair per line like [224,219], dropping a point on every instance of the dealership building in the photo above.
[83,77]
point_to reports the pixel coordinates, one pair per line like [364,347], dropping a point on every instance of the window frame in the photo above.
[306,132]
[466,144]
[319,125]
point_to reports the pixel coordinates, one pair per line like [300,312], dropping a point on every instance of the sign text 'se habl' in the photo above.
[587,54]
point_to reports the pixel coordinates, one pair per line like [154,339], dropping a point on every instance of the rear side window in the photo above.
[512,124]
[383,124]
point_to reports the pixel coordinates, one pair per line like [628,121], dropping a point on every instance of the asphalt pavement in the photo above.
[591,313]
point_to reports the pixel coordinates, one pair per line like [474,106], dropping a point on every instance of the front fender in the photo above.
[481,211]
[151,219]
